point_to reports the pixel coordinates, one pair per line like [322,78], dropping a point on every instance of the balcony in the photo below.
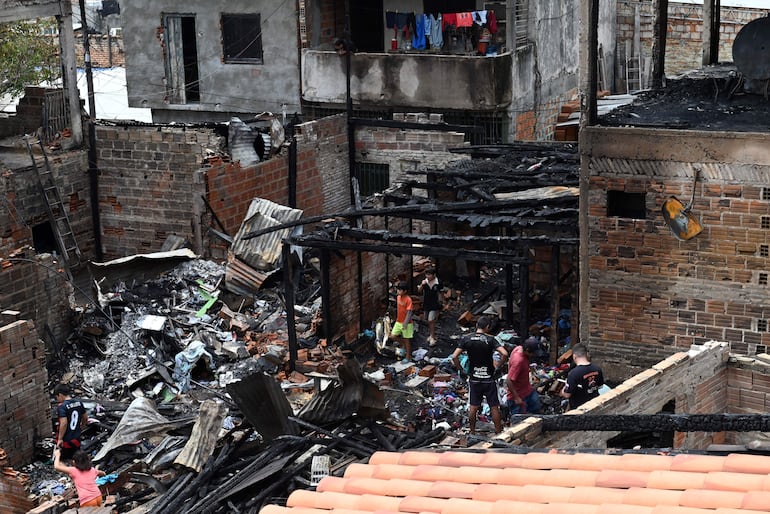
[409,80]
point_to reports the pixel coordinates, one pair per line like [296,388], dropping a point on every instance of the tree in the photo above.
[29,54]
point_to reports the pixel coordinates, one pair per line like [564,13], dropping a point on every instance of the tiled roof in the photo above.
[457,482]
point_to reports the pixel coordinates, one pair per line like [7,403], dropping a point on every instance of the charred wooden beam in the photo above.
[313,241]
[479,242]
[423,209]
[657,422]
[439,127]
[549,148]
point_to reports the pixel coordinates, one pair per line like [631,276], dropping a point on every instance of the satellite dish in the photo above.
[751,49]
[682,223]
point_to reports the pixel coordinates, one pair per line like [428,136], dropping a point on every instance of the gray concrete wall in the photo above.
[409,80]
[547,67]
[224,88]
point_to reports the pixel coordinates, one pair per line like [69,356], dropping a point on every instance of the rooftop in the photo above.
[712,98]
[535,482]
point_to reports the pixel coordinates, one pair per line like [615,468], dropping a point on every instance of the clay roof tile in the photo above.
[622,479]
[707,499]
[742,463]
[443,489]
[651,497]
[520,476]
[697,463]
[730,481]
[678,480]
[596,495]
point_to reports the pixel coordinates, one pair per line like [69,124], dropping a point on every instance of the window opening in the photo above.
[626,205]
[43,238]
[242,38]
[372,177]
[763,279]
[182,84]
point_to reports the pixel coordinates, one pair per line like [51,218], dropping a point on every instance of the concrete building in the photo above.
[189,62]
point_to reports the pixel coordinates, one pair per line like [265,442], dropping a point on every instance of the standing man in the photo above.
[430,302]
[481,347]
[403,329]
[522,397]
[584,380]
[71,418]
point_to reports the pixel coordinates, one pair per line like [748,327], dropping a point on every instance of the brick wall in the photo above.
[330,22]
[684,42]
[402,150]
[149,184]
[408,150]
[25,406]
[38,289]
[540,123]
[152,177]
[323,178]
[695,380]
[648,294]
[106,51]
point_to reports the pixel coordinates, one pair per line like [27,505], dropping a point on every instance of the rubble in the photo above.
[194,404]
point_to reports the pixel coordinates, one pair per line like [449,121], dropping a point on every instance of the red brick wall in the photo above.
[38,289]
[540,124]
[331,22]
[25,405]
[106,51]
[650,294]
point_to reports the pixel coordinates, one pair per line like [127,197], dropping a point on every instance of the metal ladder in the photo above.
[57,214]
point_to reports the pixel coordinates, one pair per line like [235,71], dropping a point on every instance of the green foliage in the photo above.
[29,55]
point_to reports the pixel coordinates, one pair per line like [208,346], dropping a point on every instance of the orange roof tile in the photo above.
[457,482]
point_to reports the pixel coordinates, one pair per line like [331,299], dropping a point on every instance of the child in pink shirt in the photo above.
[83,474]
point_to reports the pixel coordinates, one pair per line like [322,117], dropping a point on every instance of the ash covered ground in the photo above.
[714,98]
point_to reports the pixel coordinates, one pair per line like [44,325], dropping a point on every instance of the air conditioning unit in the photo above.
[116,32]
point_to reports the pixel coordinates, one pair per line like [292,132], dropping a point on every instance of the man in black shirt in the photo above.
[480,347]
[71,416]
[584,380]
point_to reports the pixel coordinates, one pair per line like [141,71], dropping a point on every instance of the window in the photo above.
[521,23]
[242,38]
[182,85]
[626,205]
[372,178]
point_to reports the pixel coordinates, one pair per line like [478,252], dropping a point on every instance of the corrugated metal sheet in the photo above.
[264,404]
[263,252]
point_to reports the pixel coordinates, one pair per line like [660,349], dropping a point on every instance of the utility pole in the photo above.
[93,171]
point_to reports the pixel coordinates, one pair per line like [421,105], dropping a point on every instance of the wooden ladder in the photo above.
[57,214]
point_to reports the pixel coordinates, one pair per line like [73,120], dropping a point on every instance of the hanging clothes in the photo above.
[479,17]
[436,32]
[492,22]
[418,41]
[390,19]
[464,19]
[449,20]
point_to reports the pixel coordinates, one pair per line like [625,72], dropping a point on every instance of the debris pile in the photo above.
[193,406]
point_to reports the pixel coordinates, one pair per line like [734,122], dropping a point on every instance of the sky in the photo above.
[110,96]
[757,4]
